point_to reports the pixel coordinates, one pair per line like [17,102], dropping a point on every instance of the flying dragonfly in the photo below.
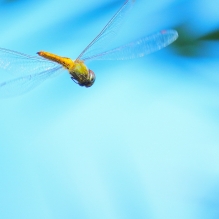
[33,70]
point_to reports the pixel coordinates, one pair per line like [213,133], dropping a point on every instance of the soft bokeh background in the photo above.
[142,142]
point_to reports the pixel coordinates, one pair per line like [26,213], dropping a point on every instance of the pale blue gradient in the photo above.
[142,143]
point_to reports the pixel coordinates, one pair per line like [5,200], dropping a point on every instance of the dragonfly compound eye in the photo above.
[92,78]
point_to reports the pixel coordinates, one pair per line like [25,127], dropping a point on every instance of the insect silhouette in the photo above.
[33,70]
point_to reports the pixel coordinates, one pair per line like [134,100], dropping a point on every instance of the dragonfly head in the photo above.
[91,80]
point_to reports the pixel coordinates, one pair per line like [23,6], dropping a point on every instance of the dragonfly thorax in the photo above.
[81,74]
[87,82]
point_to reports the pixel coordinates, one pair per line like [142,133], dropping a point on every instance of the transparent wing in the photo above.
[139,47]
[108,32]
[20,64]
[26,83]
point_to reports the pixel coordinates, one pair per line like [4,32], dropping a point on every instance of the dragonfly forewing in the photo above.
[19,64]
[138,48]
[106,36]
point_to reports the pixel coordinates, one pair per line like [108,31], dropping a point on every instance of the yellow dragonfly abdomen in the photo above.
[79,72]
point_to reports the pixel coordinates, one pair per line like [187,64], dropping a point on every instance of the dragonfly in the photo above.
[33,70]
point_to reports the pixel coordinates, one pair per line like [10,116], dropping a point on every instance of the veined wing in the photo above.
[21,64]
[139,47]
[26,83]
[108,32]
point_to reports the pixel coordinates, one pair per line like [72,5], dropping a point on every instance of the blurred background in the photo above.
[141,143]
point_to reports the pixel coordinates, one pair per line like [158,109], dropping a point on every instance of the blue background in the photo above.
[141,143]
